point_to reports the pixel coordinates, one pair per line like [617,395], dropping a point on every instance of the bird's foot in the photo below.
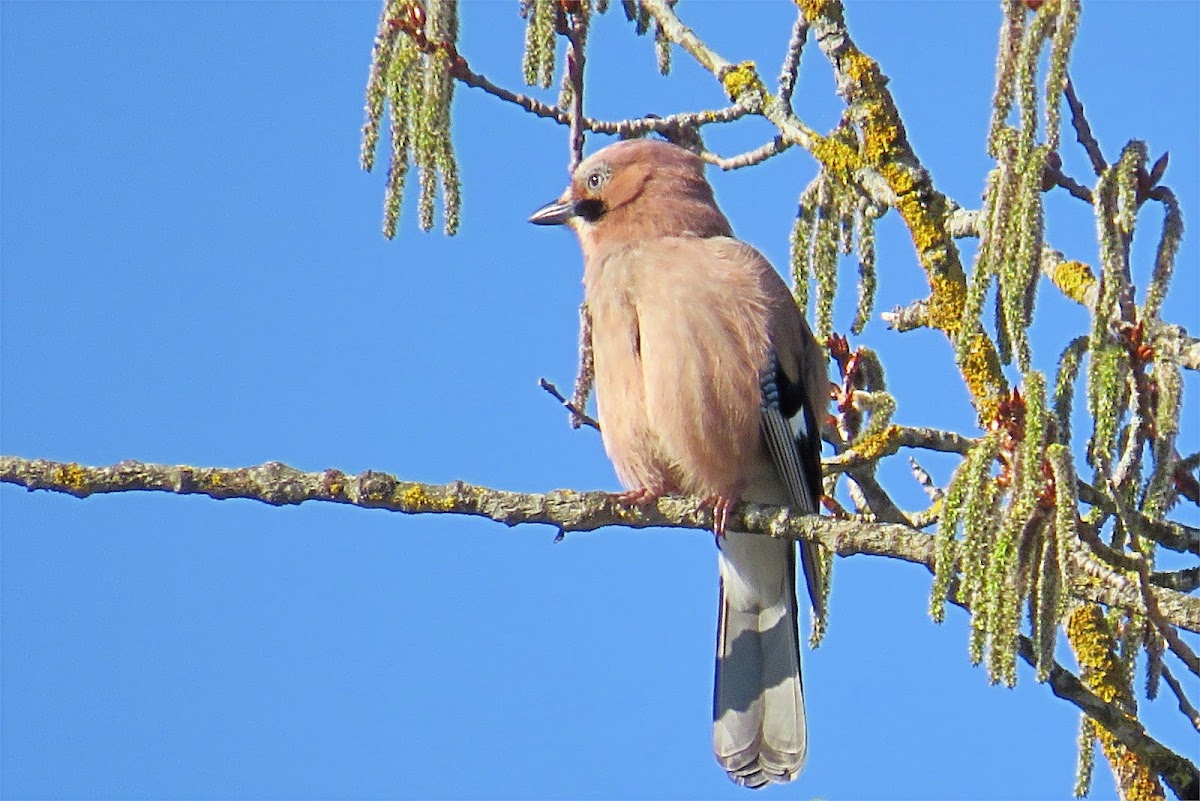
[720,505]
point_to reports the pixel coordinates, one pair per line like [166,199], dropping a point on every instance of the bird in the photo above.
[709,382]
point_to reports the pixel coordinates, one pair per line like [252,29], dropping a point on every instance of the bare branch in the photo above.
[1053,175]
[914,315]
[791,62]
[1177,771]
[576,413]
[633,127]
[1185,580]
[566,510]
[577,40]
[1083,131]
[587,367]
[931,439]
[1185,706]
[749,158]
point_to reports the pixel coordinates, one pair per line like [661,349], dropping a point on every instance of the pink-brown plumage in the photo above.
[699,352]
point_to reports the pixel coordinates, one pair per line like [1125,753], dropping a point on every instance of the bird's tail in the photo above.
[759,728]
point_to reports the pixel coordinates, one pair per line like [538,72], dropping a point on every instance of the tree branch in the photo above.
[566,510]
[632,127]
[1180,774]
[1083,131]
[791,62]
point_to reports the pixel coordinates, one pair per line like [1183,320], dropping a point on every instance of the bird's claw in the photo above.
[721,507]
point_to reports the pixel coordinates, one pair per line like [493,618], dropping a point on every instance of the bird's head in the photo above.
[636,190]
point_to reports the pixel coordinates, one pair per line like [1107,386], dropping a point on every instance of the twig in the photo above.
[907,318]
[1153,611]
[1185,706]
[930,439]
[587,366]
[1167,533]
[577,40]
[751,157]
[926,517]
[576,413]
[634,127]
[923,478]
[876,497]
[1185,580]
[1054,176]
[1083,131]
[791,61]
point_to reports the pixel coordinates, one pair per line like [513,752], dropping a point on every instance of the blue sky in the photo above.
[192,272]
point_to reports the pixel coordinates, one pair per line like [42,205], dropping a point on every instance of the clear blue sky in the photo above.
[193,273]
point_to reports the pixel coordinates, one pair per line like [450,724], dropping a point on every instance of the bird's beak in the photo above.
[556,213]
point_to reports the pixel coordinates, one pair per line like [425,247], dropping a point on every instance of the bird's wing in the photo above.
[795,396]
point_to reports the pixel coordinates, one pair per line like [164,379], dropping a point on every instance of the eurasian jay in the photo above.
[710,383]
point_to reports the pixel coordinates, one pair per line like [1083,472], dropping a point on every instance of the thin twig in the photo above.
[791,61]
[1083,131]
[577,40]
[1054,176]
[751,157]
[923,478]
[876,498]
[1167,533]
[587,366]
[1153,611]
[1185,580]
[633,127]
[930,439]
[1185,706]
[907,318]
[576,413]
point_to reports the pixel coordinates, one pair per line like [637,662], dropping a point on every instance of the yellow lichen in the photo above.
[883,443]
[72,475]
[1074,278]
[741,79]
[898,178]
[414,497]
[859,66]
[946,302]
[838,158]
[1094,647]
[923,220]
[1103,673]
[814,8]
[880,130]
[981,370]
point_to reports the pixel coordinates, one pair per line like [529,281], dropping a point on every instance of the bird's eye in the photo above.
[594,180]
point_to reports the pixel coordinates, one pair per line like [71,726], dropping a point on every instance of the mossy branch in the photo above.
[566,510]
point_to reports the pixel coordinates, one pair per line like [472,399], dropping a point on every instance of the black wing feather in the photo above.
[793,439]
[789,427]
